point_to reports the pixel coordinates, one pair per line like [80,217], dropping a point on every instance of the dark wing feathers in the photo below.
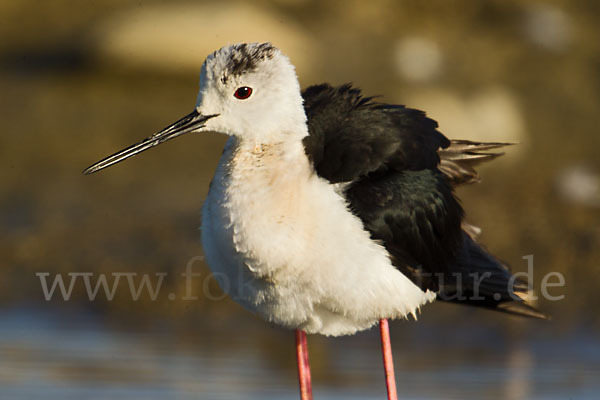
[399,172]
[352,136]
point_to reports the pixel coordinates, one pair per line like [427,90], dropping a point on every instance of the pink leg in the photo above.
[303,366]
[388,362]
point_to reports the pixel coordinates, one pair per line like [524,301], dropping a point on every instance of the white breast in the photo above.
[283,243]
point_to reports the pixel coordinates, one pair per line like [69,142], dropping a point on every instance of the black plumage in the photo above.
[399,174]
[352,136]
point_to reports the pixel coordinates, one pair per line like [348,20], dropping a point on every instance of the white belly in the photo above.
[282,243]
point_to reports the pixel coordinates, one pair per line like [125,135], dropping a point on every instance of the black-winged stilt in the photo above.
[330,212]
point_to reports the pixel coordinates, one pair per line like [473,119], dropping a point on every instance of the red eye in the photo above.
[243,92]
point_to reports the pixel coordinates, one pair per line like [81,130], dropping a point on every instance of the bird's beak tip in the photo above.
[87,171]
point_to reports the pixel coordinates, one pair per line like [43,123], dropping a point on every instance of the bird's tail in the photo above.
[479,279]
[458,161]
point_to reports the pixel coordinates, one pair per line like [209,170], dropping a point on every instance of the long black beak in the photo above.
[189,123]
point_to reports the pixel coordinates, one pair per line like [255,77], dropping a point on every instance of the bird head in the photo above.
[248,90]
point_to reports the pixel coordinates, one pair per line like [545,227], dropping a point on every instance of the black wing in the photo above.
[352,136]
[389,158]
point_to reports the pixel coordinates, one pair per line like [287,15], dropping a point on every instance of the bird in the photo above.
[330,212]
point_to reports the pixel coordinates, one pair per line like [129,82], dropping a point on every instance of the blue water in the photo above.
[78,356]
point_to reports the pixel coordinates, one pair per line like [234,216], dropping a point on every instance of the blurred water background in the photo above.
[82,79]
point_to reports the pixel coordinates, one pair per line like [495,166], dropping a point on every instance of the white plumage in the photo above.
[290,248]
